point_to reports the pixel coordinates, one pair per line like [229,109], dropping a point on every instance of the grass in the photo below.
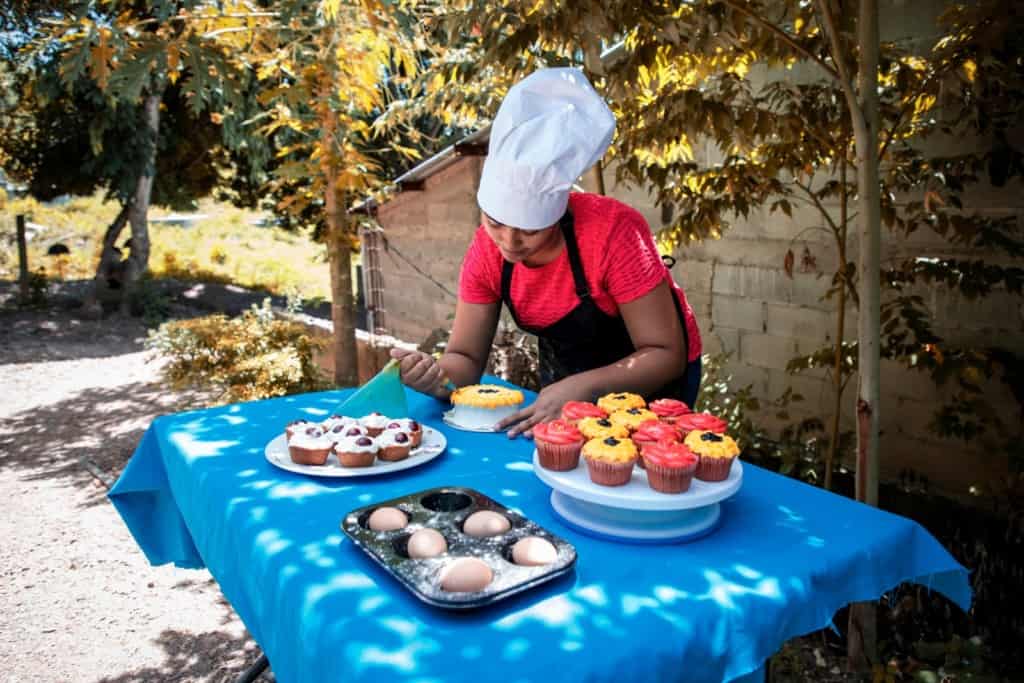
[224,247]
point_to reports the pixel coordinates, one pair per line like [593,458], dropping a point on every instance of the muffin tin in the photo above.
[445,509]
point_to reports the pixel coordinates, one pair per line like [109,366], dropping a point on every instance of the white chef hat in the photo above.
[551,127]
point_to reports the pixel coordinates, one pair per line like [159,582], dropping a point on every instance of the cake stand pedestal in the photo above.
[636,513]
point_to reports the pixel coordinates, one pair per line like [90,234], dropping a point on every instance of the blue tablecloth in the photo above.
[198,492]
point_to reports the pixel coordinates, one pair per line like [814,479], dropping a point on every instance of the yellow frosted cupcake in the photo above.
[610,460]
[621,401]
[716,452]
[632,418]
[601,428]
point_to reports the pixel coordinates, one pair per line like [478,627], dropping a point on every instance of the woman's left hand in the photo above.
[548,406]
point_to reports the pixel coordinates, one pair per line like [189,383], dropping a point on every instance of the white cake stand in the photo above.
[636,512]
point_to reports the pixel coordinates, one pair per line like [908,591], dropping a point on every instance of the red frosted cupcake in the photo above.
[670,466]
[574,411]
[705,422]
[558,445]
[669,409]
[654,431]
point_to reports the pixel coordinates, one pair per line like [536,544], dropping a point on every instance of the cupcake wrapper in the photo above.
[670,479]
[558,457]
[356,459]
[373,431]
[308,456]
[714,469]
[394,453]
[609,473]
[417,438]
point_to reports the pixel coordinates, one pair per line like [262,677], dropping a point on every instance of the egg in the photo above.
[486,523]
[533,551]
[426,543]
[466,575]
[387,519]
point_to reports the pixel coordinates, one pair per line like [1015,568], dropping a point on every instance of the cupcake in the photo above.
[621,401]
[716,452]
[356,451]
[336,421]
[410,427]
[374,423]
[600,427]
[394,445]
[632,418]
[558,445]
[574,411]
[705,422]
[296,426]
[309,447]
[670,466]
[669,409]
[610,460]
[653,431]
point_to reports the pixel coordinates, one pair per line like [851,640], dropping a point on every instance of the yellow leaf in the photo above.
[970,69]
[101,56]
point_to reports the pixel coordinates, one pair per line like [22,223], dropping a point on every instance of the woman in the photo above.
[580,271]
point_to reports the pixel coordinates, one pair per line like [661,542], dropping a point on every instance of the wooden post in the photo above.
[22,258]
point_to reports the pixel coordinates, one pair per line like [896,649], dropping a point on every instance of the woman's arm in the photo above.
[660,356]
[473,330]
[465,355]
[657,336]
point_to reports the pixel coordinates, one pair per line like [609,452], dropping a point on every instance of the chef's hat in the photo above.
[551,127]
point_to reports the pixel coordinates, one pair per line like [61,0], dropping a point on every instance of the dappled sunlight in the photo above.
[192,447]
[296,490]
[723,592]
[519,466]
[271,542]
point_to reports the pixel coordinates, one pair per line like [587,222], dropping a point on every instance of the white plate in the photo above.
[638,494]
[446,417]
[433,445]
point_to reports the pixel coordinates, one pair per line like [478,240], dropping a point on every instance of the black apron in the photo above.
[586,337]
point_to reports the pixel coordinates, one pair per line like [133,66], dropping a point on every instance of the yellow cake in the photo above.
[621,401]
[632,417]
[600,428]
[483,406]
[716,453]
[711,445]
[610,461]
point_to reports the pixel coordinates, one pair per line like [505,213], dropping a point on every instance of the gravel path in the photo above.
[78,601]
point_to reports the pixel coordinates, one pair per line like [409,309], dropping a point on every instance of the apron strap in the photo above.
[575,262]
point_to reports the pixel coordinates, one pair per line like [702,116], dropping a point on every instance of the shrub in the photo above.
[252,356]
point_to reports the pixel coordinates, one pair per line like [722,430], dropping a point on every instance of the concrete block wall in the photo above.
[747,306]
[432,228]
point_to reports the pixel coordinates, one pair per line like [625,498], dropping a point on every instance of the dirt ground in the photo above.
[78,600]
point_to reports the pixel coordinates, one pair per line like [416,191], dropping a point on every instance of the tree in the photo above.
[836,116]
[103,110]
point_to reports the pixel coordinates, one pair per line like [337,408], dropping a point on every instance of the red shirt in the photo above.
[619,258]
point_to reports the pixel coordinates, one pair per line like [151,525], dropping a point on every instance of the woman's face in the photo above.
[514,244]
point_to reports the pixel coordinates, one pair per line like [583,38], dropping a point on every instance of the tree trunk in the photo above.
[109,258]
[138,212]
[837,379]
[339,241]
[862,615]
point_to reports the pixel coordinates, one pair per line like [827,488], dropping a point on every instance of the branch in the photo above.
[845,81]
[782,35]
[817,203]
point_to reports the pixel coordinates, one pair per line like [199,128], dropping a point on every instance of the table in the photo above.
[198,492]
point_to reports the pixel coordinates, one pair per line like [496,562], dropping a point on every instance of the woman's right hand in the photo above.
[420,371]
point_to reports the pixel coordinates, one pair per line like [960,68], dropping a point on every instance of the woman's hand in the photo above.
[548,406]
[420,371]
